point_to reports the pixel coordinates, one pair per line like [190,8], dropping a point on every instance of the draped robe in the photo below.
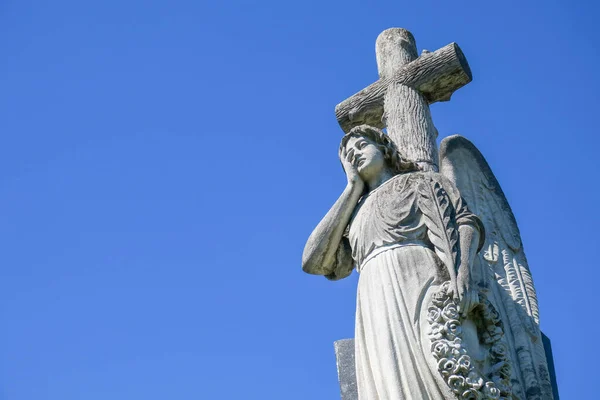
[390,238]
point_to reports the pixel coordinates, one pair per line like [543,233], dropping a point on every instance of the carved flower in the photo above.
[434,315]
[502,385]
[490,313]
[493,312]
[435,331]
[499,350]
[456,383]
[494,329]
[441,349]
[446,366]
[456,346]
[452,328]
[454,363]
[474,380]
[471,394]
[450,311]
[491,391]
[495,333]
[463,364]
[456,343]
[440,299]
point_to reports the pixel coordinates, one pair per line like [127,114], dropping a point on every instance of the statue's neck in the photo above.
[380,179]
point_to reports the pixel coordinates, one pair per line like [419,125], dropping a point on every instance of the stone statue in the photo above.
[436,318]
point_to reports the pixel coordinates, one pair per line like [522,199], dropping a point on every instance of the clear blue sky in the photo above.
[163,162]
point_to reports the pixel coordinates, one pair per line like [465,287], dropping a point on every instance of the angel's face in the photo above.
[365,157]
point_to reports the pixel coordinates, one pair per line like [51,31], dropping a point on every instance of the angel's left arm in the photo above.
[471,235]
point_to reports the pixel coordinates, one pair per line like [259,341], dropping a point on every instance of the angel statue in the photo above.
[436,318]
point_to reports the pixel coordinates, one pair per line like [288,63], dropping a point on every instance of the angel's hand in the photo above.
[350,167]
[468,295]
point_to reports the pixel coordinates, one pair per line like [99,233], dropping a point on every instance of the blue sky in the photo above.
[163,162]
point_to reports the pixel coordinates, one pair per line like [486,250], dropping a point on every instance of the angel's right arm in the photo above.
[327,251]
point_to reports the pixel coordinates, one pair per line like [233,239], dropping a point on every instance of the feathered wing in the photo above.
[505,272]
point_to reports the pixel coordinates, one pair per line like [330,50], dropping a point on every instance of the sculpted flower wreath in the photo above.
[454,364]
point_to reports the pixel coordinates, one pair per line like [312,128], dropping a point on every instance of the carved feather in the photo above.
[530,295]
[438,214]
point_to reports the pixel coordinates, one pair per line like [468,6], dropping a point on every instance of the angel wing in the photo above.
[505,272]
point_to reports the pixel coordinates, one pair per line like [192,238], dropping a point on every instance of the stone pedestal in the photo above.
[344,354]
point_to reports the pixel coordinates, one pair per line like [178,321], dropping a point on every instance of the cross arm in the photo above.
[436,75]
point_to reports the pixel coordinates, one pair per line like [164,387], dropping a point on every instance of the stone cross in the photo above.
[399,100]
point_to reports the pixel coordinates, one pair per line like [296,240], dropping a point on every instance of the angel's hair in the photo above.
[384,145]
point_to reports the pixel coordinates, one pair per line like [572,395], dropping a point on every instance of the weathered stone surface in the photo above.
[407,85]
[405,215]
[366,106]
[344,354]
[446,307]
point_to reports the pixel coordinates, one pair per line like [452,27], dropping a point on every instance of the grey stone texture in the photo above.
[446,306]
[344,354]
[346,369]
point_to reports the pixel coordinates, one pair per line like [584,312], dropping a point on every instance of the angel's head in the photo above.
[372,151]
